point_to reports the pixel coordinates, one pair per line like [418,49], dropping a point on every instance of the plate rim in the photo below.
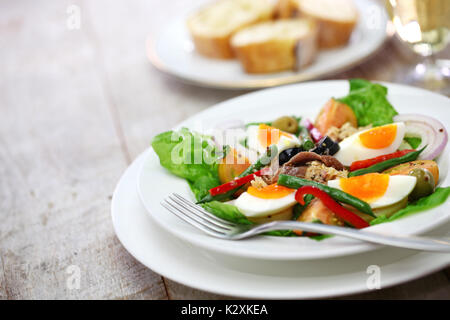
[158,63]
[357,248]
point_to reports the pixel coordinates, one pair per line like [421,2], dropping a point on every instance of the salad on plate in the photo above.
[357,164]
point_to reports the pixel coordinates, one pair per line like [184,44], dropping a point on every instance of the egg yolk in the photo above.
[272,191]
[380,137]
[268,135]
[367,187]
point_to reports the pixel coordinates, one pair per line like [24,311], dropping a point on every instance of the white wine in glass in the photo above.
[425,26]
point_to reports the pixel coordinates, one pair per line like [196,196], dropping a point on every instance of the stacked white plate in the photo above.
[273,267]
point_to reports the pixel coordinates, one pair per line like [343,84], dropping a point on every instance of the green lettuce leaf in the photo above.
[226,211]
[378,220]
[369,102]
[433,200]
[414,142]
[356,84]
[321,237]
[281,233]
[191,156]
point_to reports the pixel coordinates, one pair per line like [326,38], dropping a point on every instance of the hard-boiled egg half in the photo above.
[259,137]
[266,201]
[377,189]
[371,143]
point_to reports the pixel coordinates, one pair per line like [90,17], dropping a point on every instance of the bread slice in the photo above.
[336,18]
[212,27]
[287,44]
[285,9]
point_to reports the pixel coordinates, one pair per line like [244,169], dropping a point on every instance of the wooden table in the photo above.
[77,105]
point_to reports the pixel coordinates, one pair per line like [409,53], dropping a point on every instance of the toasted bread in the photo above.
[287,44]
[212,27]
[336,18]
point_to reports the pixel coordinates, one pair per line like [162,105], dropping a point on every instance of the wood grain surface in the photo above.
[76,107]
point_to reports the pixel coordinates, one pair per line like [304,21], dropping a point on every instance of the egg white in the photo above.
[250,154]
[351,148]
[255,207]
[283,143]
[399,187]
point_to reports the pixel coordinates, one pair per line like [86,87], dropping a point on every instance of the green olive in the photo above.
[424,185]
[287,124]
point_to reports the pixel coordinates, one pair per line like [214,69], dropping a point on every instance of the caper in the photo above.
[286,123]
[424,185]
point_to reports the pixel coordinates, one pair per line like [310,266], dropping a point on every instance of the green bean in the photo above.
[341,196]
[307,143]
[263,161]
[381,166]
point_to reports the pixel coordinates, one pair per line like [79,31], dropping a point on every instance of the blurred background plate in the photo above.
[172,52]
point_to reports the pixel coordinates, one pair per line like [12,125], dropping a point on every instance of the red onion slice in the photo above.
[430,130]
[313,131]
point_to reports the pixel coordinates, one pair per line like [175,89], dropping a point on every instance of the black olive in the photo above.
[326,146]
[287,154]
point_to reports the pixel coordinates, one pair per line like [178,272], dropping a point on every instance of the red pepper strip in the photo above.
[330,203]
[313,131]
[223,188]
[370,162]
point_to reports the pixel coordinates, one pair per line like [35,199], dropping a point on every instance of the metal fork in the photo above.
[219,228]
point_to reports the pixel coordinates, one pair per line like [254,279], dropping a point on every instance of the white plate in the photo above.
[155,182]
[181,262]
[172,51]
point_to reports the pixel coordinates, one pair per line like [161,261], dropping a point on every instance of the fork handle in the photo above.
[409,242]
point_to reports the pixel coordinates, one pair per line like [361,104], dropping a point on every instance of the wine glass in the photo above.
[424,25]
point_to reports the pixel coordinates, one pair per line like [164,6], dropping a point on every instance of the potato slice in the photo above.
[316,211]
[283,215]
[405,168]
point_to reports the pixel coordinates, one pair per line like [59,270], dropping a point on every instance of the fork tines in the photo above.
[196,215]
